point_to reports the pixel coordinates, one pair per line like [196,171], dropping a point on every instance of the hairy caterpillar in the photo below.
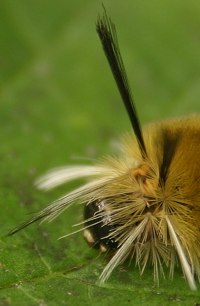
[145,202]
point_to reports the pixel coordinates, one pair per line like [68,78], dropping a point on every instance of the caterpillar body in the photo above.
[143,203]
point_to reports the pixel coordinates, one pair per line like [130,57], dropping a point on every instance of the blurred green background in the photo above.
[59,105]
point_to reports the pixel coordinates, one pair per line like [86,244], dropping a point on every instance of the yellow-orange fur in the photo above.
[178,199]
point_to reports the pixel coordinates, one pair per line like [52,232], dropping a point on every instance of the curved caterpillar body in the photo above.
[145,202]
[149,209]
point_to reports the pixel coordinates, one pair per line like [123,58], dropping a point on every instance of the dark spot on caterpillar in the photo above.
[97,219]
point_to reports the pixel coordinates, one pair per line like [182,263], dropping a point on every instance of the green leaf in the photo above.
[59,105]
